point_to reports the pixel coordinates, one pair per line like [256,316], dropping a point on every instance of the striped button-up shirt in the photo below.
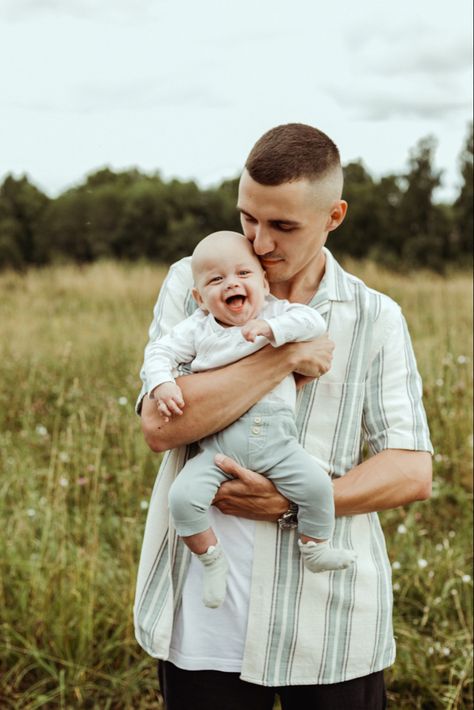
[306,628]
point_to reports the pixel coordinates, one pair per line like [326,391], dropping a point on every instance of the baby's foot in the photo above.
[319,557]
[215,576]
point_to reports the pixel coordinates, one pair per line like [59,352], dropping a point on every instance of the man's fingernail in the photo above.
[219,458]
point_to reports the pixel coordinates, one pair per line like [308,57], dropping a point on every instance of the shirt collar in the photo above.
[336,284]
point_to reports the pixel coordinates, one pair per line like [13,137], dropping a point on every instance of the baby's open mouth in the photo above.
[235,302]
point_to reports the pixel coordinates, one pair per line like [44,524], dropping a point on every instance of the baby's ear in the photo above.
[197,297]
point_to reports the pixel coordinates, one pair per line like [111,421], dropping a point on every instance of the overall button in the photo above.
[258,420]
[255,430]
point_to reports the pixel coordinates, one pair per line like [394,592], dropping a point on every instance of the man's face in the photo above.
[287,224]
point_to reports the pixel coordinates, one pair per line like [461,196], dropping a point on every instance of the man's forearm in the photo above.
[215,399]
[390,479]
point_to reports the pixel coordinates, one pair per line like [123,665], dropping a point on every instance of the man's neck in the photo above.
[303,286]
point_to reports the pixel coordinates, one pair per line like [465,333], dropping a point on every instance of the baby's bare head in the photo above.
[229,281]
[219,246]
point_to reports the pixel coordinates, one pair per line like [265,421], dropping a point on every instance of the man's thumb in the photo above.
[230,466]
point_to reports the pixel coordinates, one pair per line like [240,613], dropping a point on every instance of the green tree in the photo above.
[21,209]
[463,206]
[420,241]
[359,230]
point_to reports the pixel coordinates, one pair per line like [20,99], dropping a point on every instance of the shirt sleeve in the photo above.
[170,309]
[394,416]
[164,354]
[296,323]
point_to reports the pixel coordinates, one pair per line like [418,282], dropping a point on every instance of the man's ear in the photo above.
[336,215]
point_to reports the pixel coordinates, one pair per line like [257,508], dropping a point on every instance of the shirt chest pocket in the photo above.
[330,423]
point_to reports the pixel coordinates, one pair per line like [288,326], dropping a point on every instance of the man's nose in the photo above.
[262,241]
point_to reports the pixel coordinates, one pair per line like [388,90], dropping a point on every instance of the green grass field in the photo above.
[76,477]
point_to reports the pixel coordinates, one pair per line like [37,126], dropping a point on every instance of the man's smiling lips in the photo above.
[270,261]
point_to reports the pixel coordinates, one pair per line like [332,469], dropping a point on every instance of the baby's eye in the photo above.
[244,272]
[215,279]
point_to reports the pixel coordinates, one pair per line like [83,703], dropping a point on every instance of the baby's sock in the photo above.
[215,576]
[319,557]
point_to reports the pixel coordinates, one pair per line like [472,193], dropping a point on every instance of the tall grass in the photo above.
[76,477]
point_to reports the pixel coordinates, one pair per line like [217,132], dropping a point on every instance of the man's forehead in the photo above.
[286,201]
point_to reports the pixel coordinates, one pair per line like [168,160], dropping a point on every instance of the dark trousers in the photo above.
[213,690]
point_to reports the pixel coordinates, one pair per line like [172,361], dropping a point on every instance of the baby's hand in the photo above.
[169,399]
[256,327]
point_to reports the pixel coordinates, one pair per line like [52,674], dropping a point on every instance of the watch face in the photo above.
[287,521]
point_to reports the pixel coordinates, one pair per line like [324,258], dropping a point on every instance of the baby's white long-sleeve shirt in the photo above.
[201,341]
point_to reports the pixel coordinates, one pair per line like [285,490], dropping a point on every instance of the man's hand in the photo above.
[169,400]
[313,358]
[256,327]
[249,495]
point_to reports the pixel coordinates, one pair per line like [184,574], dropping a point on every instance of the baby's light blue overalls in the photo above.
[265,440]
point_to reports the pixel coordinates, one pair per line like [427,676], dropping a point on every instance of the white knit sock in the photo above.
[319,557]
[215,576]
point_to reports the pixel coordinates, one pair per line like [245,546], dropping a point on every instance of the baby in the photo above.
[236,317]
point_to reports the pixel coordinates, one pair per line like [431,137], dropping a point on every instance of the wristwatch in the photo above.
[289,519]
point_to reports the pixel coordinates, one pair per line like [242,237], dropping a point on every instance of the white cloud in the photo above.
[389,102]
[105,10]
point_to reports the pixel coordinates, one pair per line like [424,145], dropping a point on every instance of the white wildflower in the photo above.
[446,651]
[439,547]
[144,505]
[64,456]
[401,529]
[396,565]
[122,401]
[438,458]
[63,482]
[422,563]
[451,533]
[466,578]
[41,430]
[462,359]
[396,587]
[31,512]
[439,382]
[430,651]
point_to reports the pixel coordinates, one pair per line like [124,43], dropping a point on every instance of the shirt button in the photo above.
[258,420]
[256,430]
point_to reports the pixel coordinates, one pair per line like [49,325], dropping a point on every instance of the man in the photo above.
[321,640]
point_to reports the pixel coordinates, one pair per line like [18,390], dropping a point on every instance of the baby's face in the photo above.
[230,283]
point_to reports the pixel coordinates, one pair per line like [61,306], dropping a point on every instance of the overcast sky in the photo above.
[187,86]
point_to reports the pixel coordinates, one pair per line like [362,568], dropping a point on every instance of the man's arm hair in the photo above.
[390,479]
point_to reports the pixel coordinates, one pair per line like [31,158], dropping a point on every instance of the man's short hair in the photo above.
[290,152]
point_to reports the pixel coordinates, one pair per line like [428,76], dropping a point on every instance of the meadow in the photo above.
[76,477]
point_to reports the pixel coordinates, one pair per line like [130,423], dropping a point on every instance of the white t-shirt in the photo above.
[215,638]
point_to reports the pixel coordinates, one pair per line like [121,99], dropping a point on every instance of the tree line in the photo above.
[130,215]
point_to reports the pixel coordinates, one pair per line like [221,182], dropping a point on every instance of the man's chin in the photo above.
[276,276]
